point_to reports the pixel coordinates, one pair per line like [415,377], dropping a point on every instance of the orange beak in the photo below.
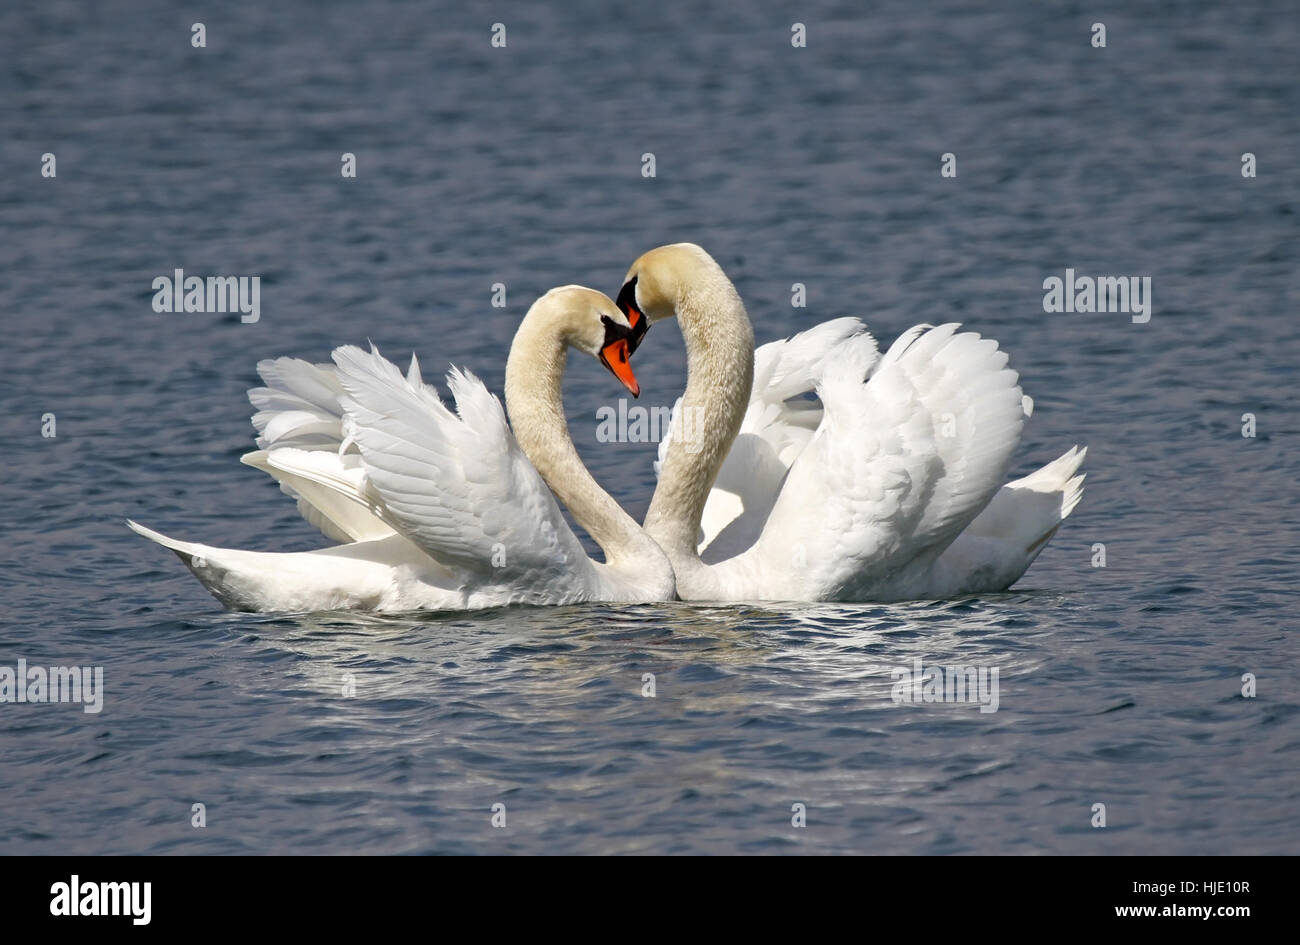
[614,356]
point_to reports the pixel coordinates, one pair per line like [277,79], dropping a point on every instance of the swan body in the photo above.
[991,554]
[890,489]
[435,508]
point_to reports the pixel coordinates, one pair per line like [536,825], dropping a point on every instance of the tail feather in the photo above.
[1027,509]
[184,549]
[1060,475]
[998,547]
[1072,494]
[357,575]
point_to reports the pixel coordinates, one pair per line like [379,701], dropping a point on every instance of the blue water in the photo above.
[1119,685]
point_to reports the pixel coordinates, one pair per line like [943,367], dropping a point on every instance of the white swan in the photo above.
[888,490]
[439,510]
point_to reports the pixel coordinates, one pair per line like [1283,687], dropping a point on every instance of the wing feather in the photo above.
[456,483]
[900,464]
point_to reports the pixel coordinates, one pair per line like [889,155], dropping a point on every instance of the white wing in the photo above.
[898,467]
[437,511]
[457,484]
[998,547]
[331,490]
[298,407]
[303,445]
[778,425]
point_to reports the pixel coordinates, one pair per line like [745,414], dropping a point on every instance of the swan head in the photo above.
[590,321]
[653,287]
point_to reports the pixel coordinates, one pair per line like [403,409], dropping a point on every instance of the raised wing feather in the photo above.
[778,424]
[303,444]
[899,466]
[457,484]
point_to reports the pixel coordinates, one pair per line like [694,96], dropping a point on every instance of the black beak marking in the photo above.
[636,318]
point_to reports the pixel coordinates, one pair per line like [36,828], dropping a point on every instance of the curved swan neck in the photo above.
[534,402]
[719,375]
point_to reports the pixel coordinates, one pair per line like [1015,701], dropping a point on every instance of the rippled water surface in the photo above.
[1118,686]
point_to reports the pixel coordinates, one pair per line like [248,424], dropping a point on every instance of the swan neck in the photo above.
[534,402]
[720,374]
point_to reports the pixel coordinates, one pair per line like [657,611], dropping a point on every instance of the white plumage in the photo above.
[888,488]
[438,509]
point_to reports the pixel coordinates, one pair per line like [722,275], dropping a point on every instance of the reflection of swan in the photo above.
[887,490]
[440,510]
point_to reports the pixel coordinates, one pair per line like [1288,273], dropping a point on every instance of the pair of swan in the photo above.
[889,488]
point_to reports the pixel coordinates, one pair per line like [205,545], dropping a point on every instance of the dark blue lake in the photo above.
[1120,685]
